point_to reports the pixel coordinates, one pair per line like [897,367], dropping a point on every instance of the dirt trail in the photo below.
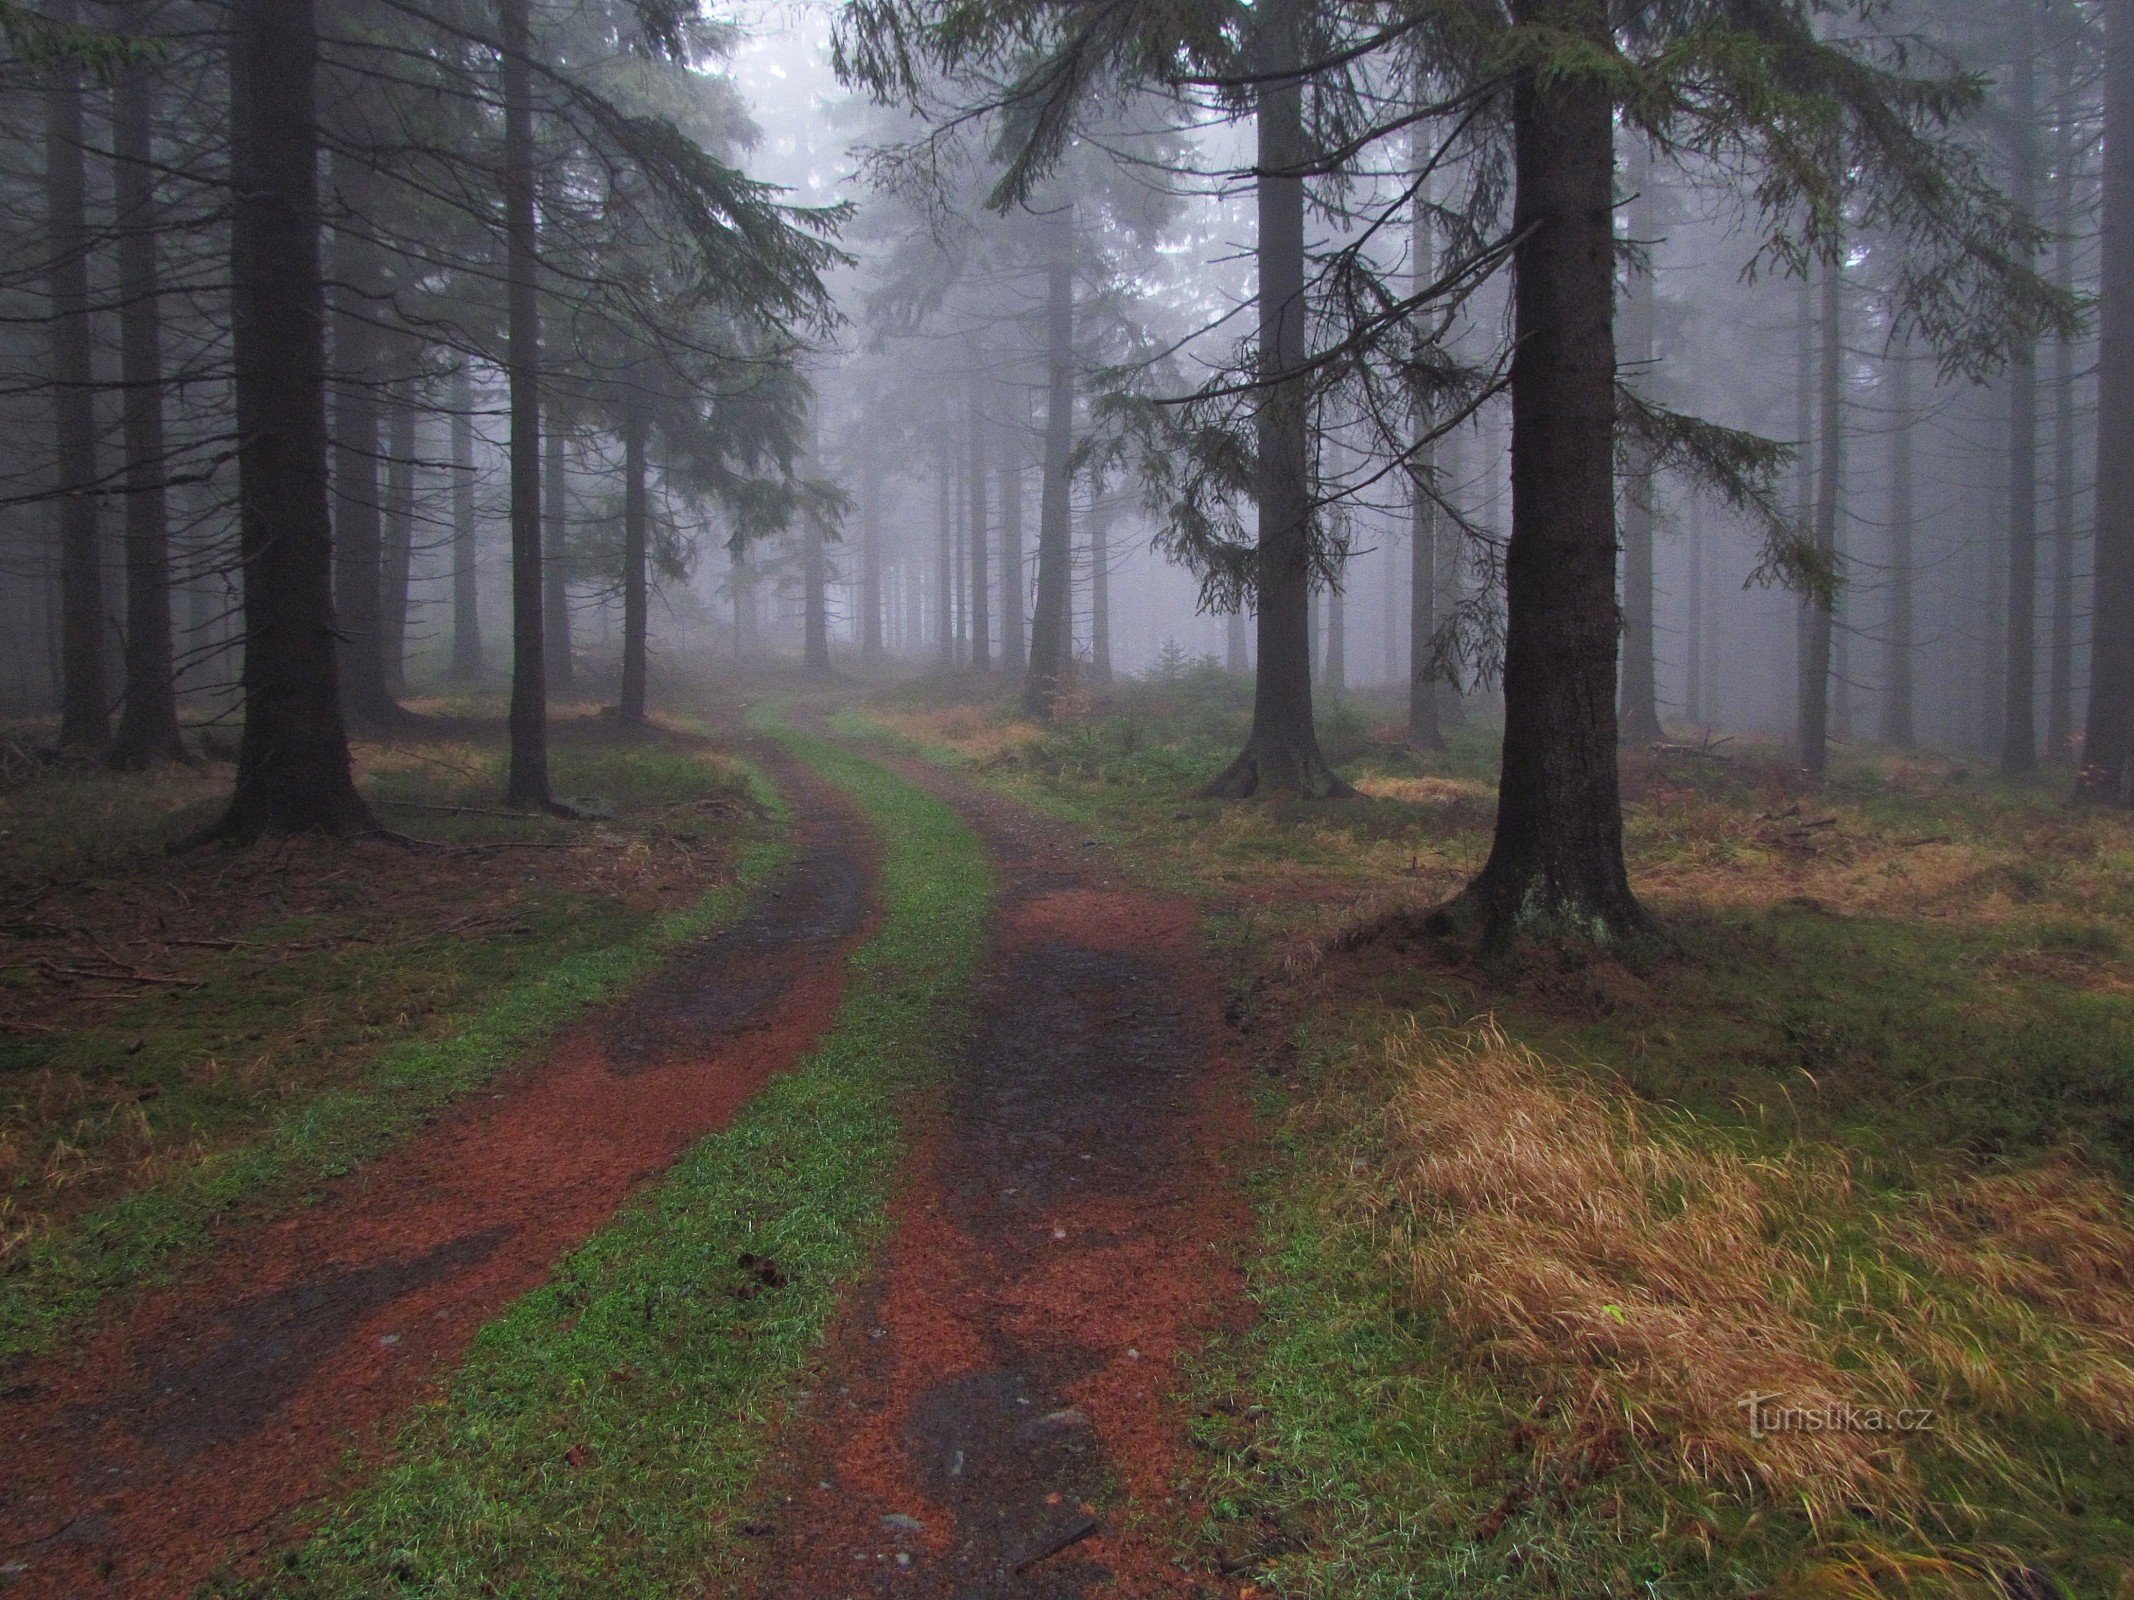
[999,1414]
[196,1424]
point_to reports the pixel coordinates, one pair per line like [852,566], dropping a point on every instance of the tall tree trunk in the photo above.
[1051,625]
[1424,731]
[84,710]
[958,575]
[2019,730]
[2108,745]
[148,725]
[1693,707]
[466,597]
[1337,636]
[1556,861]
[1237,649]
[399,539]
[945,556]
[1011,549]
[359,539]
[292,760]
[555,562]
[1830,468]
[1640,689]
[2060,646]
[870,556]
[981,607]
[1898,633]
[1281,753]
[1100,593]
[527,784]
[636,574]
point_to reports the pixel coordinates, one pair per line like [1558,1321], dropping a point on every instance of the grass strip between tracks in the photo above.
[605,1433]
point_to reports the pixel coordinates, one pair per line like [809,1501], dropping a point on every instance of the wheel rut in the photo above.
[999,1414]
[195,1425]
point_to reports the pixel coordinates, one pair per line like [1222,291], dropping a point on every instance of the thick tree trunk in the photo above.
[292,761]
[981,608]
[1640,691]
[555,562]
[870,556]
[1051,624]
[528,781]
[2019,731]
[2108,746]
[148,725]
[84,709]
[1556,862]
[1281,753]
[1898,632]
[399,539]
[359,539]
[1814,689]
[466,596]
[1012,656]
[1100,594]
[636,573]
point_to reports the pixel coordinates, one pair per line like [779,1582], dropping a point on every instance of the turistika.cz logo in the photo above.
[1769,1414]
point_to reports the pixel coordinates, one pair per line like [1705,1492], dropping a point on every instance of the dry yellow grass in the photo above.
[1645,1279]
[1630,1277]
[970,731]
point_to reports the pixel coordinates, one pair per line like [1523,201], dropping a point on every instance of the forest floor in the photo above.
[1852,1142]
[1000,1173]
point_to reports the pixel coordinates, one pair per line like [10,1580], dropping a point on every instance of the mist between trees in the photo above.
[1647,372]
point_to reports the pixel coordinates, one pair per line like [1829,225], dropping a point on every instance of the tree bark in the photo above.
[2060,646]
[528,781]
[1051,624]
[359,540]
[1012,653]
[1100,593]
[1556,862]
[1899,642]
[1424,731]
[1337,637]
[981,607]
[1640,690]
[1815,615]
[399,539]
[555,563]
[2019,731]
[1693,707]
[945,556]
[466,596]
[148,724]
[1281,753]
[870,555]
[2108,746]
[292,760]
[84,711]
[636,574]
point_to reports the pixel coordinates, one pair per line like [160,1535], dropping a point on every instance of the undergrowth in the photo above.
[603,1434]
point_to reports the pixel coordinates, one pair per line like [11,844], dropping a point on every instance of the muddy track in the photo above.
[999,1415]
[199,1421]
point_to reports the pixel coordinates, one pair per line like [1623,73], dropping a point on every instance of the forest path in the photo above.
[999,1414]
[197,1424]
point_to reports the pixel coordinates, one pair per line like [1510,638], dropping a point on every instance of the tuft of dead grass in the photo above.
[1627,1275]
[1643,1278]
